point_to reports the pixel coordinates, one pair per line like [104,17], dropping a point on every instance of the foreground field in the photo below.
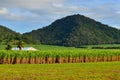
[72,71]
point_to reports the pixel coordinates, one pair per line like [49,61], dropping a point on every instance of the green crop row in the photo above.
[59,53]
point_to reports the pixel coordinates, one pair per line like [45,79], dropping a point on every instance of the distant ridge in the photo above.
[76,30]
[7,35]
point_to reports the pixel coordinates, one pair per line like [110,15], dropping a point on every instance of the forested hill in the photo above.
[76,30]
[7,35]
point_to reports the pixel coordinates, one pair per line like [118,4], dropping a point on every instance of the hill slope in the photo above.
[7,35]
[76,30]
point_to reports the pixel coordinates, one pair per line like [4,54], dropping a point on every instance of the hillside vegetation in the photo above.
[76,30]
[9,36]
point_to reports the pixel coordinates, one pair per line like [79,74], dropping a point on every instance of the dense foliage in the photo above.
[8,36]
[76,30]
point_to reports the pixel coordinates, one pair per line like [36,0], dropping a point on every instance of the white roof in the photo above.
[25,48]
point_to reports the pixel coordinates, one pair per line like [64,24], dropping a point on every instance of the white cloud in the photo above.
[29,4]
[3,11]
[116,26]
[11,14]
[118,12]
[45,11]
[58,5]
[32,8]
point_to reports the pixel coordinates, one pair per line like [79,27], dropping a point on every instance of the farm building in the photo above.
[26,49]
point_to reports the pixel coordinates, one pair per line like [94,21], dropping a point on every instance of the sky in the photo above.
[27,15]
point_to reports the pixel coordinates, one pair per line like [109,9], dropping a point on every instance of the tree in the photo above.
[9,47]
[20,45]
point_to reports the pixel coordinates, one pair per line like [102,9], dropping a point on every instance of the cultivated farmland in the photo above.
[60,63]
[59,56]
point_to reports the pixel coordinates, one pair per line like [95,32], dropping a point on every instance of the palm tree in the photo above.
[20,45]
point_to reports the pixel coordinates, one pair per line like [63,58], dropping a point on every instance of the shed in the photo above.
[25,49]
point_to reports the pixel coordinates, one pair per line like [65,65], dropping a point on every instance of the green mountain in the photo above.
[7,35]
[76,30]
